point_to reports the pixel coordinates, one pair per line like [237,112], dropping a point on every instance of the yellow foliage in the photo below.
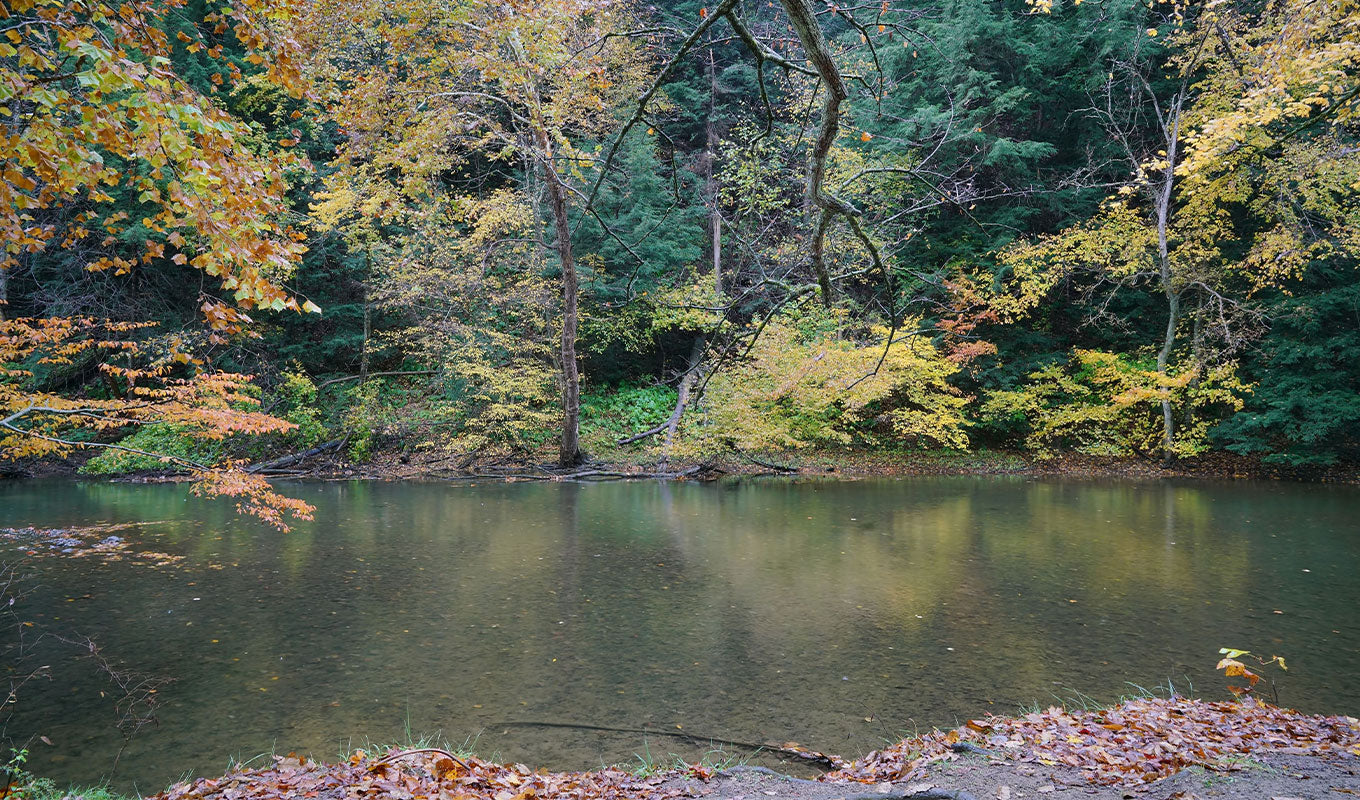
[470,281]
[1105,404]
[1117,243]
[807,380]
[104,109]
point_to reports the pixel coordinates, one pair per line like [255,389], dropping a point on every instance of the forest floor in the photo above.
[1172,749]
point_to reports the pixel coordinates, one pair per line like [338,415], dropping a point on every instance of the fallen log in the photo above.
[289,460]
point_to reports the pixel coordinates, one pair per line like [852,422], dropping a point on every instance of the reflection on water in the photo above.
[839,615]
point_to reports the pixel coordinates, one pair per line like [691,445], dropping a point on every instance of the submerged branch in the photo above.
[828,762]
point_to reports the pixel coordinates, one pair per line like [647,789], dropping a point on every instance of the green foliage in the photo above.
[625,410]
[1109,404]
[363,419]
[20,784]
[470,287]
[297,398]
[1306,408]
[655,210]
[976,150]
[14,773]
[161,438]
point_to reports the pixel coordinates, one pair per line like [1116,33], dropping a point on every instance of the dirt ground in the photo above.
[1271,777]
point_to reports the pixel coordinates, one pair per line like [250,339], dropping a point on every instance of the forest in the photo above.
[240,232]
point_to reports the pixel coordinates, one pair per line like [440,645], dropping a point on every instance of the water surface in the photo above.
[837,614]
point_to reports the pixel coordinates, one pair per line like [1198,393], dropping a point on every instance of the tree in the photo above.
[480,91]
[1228,196]
[93,107]
[93,104]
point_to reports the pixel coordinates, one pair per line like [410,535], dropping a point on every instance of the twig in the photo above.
[416,751]
[767,464]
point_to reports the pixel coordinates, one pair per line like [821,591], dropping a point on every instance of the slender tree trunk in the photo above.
[569,455]
[1196,362]
[710,181]
[1173,305]
[4,291]
[1171,128]
[368,317]
[696,357]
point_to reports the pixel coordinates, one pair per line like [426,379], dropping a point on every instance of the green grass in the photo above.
[47,789]
[646,765]
[1073,700]
[415,741]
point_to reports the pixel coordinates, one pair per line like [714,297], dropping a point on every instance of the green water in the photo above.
[838,615]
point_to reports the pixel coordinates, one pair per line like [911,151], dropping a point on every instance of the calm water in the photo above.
[838,615]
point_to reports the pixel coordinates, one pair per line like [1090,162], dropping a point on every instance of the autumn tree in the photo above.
[1243,181]
[446,105]
[95,114]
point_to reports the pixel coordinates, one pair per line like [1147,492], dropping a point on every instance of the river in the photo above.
[841,615]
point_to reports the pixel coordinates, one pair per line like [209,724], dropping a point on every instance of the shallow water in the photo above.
[836,614]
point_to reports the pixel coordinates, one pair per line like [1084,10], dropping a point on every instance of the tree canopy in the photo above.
[681,230]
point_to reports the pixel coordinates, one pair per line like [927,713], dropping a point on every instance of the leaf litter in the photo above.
[1132,744]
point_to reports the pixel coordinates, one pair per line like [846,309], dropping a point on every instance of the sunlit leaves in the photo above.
[1233,668]
[157,381]
[1108,404]
[93,107]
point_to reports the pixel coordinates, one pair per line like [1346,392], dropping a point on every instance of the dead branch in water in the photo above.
[788,749]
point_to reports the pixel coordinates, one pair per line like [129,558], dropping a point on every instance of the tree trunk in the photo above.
[368,318]
[4,291]
[696,357]
[711,183]
[1173,305]
[569,455]
[1171,129]
[804,20]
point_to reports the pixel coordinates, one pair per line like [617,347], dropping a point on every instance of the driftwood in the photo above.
[696,359]
[780,468]
[585,474]
[289,460]
[820,759]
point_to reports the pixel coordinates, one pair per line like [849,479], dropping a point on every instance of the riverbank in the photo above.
[846,463]
[1148,747]
[329,463]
